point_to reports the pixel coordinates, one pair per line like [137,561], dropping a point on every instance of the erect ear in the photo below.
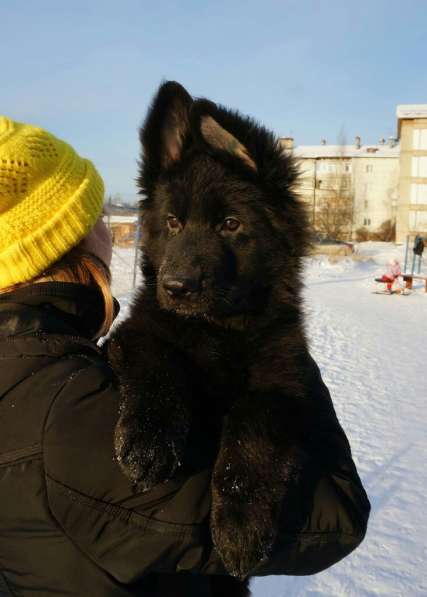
[215,135]
[166,126]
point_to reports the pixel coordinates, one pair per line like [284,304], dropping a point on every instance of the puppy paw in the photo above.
[246,507]
[242,541]
[149,453]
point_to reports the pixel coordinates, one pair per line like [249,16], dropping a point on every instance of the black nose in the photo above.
[180,287]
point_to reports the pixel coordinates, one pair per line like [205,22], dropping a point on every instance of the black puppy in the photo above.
[214,352]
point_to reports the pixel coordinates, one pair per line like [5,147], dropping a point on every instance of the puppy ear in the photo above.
[166,126]
[216,136]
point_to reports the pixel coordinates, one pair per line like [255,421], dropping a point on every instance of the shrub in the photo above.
[362,234]
[386,233]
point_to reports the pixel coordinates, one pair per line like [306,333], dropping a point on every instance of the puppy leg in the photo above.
[155,417]
[258,466]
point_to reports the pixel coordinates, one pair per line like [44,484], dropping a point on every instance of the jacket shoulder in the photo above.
[125,532]
[79,429]
[34,371]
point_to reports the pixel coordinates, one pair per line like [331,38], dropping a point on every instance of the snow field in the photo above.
[372,350]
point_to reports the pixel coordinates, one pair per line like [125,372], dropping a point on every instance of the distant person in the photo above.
[418,246]
[70,522]
[392,275]
[418,250]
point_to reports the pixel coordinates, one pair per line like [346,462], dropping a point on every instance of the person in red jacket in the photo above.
[392,275]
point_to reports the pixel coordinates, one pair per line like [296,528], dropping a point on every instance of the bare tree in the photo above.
[334,216]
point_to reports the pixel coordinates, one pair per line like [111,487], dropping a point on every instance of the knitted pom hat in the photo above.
[50,198]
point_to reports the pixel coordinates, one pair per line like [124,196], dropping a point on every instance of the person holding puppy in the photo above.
[70,521]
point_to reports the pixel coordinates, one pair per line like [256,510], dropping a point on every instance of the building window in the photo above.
[419,139]
[347,168]
[418,221]
[369,168]
[327,167]
[419,166]
[367,222]
[419,193]
[366,204]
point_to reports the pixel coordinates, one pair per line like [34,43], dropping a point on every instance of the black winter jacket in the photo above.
[71,523]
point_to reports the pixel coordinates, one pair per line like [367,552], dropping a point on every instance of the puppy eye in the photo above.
[230,225]
[173,223]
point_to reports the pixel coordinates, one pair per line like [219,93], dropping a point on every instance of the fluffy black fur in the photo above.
[213,359]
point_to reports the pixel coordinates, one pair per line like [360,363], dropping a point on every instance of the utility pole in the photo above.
[137,243]
[109,212]
[314,192]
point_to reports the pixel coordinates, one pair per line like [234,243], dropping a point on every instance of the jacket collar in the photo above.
[52,308]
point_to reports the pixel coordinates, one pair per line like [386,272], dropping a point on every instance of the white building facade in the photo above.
[382,182]
[366,176]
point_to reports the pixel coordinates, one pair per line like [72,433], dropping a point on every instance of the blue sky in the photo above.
[86,70]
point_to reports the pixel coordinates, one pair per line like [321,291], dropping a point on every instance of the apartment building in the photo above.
[412,205]
[384,181]
[361,178]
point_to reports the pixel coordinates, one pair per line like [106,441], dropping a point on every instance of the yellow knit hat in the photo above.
[50,198]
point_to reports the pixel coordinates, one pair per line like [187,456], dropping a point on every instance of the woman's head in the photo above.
[51,203]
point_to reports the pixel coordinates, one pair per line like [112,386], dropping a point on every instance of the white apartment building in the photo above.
[385,181]
[368,175]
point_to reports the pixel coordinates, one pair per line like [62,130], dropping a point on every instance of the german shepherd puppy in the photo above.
[213,360]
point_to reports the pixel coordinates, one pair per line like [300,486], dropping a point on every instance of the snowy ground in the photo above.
[372,350]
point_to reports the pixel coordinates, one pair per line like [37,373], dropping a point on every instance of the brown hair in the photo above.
[79,266]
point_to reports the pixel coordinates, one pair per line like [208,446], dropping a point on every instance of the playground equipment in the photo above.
[413,253]
[412,269]
[391,279]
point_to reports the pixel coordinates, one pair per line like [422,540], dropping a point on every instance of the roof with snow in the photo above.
[411,111]
[346,151]
[116,219]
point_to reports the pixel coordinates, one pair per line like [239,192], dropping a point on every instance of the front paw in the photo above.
[246,507]
[149,453]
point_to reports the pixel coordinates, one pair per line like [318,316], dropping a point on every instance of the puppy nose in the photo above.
[180,287]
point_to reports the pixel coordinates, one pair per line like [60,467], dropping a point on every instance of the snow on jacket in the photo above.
[71,523]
